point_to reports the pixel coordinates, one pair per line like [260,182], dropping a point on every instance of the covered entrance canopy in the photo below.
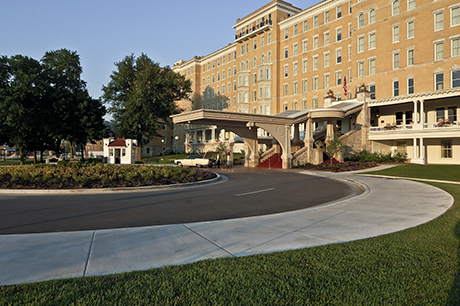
[279,126]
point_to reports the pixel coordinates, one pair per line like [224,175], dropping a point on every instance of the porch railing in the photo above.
[409,127]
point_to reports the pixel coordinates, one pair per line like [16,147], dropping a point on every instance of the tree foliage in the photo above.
[142,96]
[43,103]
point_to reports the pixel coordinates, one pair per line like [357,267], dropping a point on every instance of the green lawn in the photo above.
[437,172]
[417,266]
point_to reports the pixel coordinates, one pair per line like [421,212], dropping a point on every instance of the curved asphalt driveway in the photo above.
[244,193]
[385,206]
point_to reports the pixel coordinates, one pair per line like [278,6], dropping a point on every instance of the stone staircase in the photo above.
[274,161]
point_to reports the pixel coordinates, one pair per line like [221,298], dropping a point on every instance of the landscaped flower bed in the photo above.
[96,176]
[338,167]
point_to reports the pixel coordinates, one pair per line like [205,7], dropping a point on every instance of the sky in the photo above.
[103,32]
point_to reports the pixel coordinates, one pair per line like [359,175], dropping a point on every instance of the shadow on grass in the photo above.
[454,293]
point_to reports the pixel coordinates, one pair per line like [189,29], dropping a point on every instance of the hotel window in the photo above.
[285,89]
[208,81]
[234,85]
[213,64]
[395,7]
[372,66]
[286,32]
[446,148]
[338,56]
[305,85]
[294,50]
[360,69]
[372,16]
[315,63]
[439,51]
[254,62]
[295,29]
[326,81]
[315,102]
[410,86]
[223,74]
[269,59]
[304,46]
[261,75]
[395,34]
[223,59]
[260,93]
[247,47]
[245,97]
[326,39]
[262,41]
[286,53]
[247,65]
[218,62]
[410,4]
[395,60]
[326,17]
[229,57]
[294,69]
[262,59]
[410,57]
[254,95]
[326,60]
[439,81]
[455,43]
[439,21]
[455,16]
[315,21]
[285,71]
[338,33]
[218,76]
[338,78]
[440,114]
[305,26]
[360,44]
[372,41]
[360,20]
[234,70]
[339,11]
[395,88]
[372,90]
[349,30]
[304,104]
[254,79]
[349,53]
[315,42]
[315,83]
[267,92]
[254,43]
[410,29]
[223,89]
[242,49]
[229,72]
[452,113]
[294,105]
[456,78]
[267,74]
[294,88]
[304,66]
[269,38]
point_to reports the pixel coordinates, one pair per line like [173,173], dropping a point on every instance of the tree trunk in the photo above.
[139,151]
[35,157]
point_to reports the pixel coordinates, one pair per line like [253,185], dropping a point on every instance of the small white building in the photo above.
[120,151]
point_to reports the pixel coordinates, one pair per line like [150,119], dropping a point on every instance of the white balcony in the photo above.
[404,131]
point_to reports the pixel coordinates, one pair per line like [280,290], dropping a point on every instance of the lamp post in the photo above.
[162,150]
[177,137]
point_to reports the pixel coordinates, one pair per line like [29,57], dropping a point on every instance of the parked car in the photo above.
[193,161]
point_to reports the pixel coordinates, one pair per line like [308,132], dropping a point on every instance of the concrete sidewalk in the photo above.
[386,206]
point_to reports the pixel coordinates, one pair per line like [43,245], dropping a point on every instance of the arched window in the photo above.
[372,16]
[263,59]
[360,20]
[395,7]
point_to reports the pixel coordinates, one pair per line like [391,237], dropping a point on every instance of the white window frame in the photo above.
[395,34]
[455,46]
[360,68]
[455,19]
[360,42]
[372,66]
[439,53]
[396,60]
[411,57]
[410,29]
[371,41]
[371,16]
[395,7]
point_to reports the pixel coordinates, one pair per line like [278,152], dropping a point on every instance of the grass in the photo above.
[417,266]
[437,172]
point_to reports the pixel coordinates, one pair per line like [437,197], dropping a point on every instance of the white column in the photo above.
[422,114]
[203,136]
[195,137]
[213,134]
[415,148]
[421,149]
[415,112]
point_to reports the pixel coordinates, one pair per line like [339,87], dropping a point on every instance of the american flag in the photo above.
[345,87]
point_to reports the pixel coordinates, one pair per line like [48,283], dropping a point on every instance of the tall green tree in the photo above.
[142,96]
[78,117]
[22,107]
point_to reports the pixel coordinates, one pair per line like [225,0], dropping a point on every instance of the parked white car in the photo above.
[194,161]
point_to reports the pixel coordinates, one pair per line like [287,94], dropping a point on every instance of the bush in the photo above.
[365,156]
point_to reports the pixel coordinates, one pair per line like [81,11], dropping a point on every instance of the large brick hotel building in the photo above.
[289,62]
